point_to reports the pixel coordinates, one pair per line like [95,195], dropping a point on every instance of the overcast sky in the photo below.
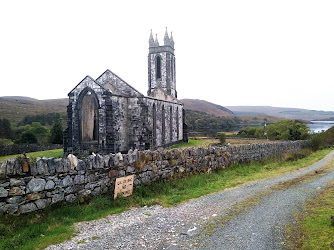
[274,53]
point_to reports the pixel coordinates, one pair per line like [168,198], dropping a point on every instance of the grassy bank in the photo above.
[195,143]
[55,224]
[314,229]
[57,153]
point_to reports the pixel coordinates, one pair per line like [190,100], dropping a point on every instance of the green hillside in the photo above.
[16,108]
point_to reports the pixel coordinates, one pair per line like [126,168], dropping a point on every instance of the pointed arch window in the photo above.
[171,124]
[158,67]
[177,123]
[89,117]
[154,124]
[163,128]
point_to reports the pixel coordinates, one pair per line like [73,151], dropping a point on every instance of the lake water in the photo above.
[318,126]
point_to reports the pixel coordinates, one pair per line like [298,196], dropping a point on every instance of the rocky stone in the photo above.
[51,165]
[79,179]
[40,166]
[68,190]
[49,185]
[27,208]
[5,184]
[15,191]
[106,159]
[70,198]
[9,209]
[15,182]
[118,160]
[36,185]
[99,161]
[42,203]
[33,168]
[59,165]
[67,181]
[81,165]
[3,192]
[3,169]
[15,200]
[73,161]
[10,166]
[66,165]
[33,197]
[130,169]
[121,173]
[57,197]
[112,173]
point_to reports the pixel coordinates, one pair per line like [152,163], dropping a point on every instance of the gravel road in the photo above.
[198,223]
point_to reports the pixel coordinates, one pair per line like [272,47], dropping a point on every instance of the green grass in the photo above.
[55,224]
[314,229]
[194,143]
[57,153]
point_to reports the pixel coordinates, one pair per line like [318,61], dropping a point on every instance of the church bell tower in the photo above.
[161,66]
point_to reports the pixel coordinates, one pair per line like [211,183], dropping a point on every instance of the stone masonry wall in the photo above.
[28,186]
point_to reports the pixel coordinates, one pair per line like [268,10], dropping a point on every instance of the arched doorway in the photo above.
[89,117]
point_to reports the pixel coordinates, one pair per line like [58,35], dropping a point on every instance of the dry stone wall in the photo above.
[26,186]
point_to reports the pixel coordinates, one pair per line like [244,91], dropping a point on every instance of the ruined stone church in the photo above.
[109,115]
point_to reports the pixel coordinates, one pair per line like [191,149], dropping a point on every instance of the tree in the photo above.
[287,130]
[41,133]
[222,138]
[5,129]
[28,137]
[56,136]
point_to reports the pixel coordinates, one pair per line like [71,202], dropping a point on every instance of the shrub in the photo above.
[222,138]
[28,137]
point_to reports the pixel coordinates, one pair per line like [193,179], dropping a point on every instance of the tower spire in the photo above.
[171,40]
[156,40]
[151,40]
[166,38]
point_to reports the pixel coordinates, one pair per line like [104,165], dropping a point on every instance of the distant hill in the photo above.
[15,108]
[206,107]
[285,113]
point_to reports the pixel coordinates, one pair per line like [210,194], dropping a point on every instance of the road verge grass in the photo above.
[313,228]
[56,224]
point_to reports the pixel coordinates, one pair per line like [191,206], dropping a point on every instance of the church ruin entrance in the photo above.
[89,118]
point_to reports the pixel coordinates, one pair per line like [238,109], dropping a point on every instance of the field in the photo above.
[56,153]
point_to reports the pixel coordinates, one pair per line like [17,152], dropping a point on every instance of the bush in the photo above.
[316,141]
[5,142]
[28,137]
[56,136]
[287,130]
[222,138]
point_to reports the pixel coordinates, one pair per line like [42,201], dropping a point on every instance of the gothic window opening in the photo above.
[177,123]
[172,69]
[171,124]
[89,118]
[154,124]
[158,67]
[163,130]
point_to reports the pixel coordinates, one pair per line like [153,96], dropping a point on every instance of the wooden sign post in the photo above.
[124,186]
